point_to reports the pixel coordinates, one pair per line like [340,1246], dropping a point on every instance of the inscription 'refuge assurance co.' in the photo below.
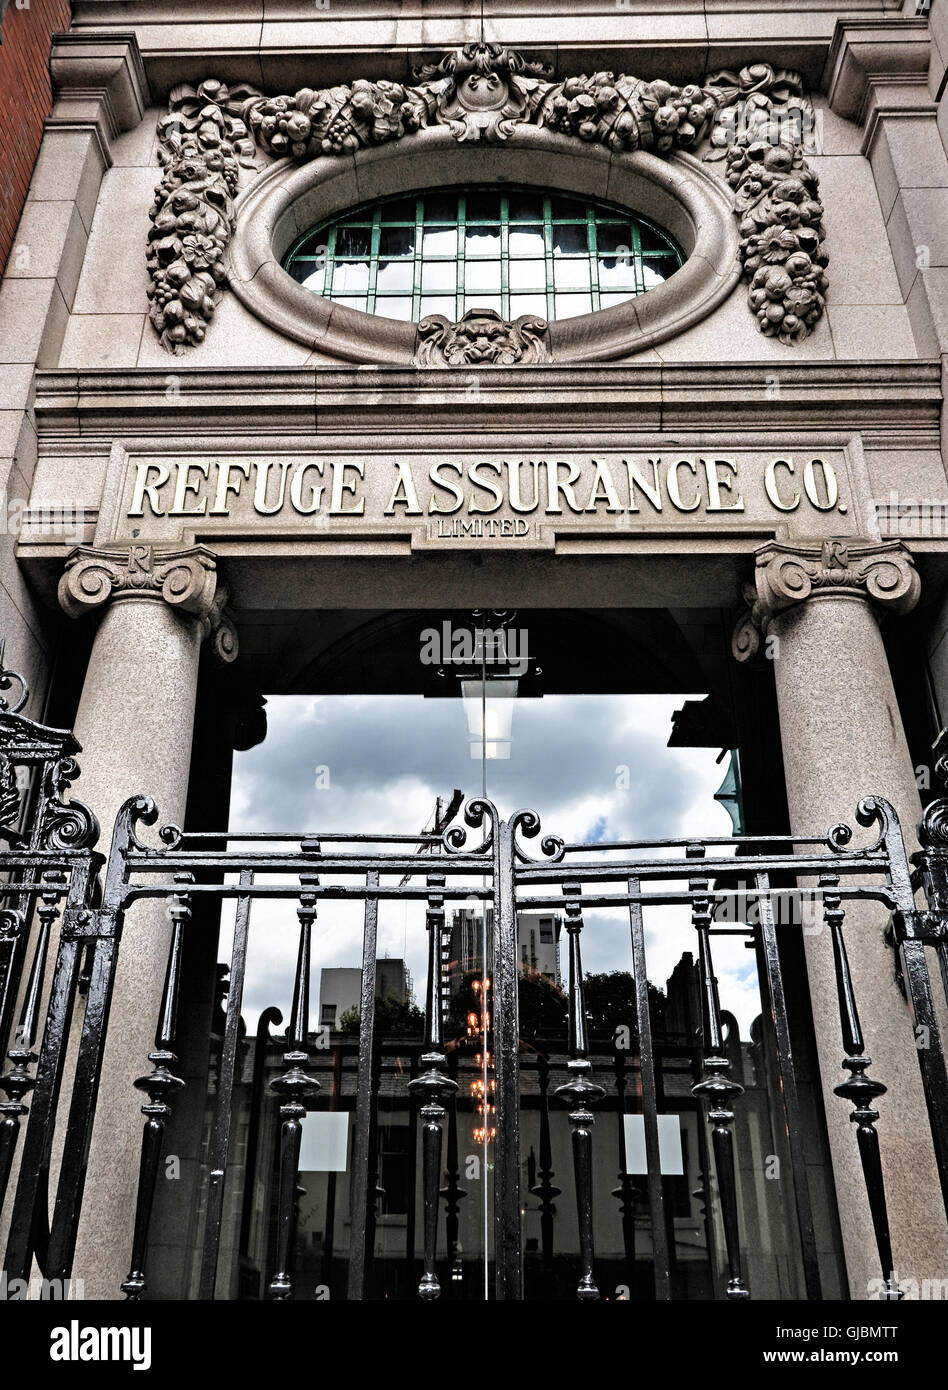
[481,498]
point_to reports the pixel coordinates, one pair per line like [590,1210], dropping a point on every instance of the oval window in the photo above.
[515,250]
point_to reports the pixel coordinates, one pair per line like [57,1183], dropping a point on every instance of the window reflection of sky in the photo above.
[595,767]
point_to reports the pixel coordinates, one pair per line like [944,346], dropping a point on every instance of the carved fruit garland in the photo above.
[755,120]
[201,141]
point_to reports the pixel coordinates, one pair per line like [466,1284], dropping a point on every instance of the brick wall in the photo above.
[25,101]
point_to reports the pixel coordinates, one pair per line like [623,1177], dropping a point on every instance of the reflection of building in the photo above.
[624,1240]
[463,949]
[340,988]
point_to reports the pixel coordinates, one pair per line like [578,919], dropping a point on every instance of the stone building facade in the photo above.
[212,475]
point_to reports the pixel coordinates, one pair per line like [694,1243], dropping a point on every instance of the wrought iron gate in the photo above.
[53,873]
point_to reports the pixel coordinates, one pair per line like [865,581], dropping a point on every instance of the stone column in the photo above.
[135,723]
[816,606]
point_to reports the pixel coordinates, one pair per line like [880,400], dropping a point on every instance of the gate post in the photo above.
[843,738]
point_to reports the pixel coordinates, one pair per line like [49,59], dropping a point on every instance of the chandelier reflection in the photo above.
[483,1088]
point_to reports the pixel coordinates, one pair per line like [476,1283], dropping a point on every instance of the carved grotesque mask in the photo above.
[482,336]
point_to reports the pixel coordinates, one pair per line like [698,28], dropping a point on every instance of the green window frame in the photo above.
[514,249]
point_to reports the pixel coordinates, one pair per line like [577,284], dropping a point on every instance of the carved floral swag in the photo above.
[755,121]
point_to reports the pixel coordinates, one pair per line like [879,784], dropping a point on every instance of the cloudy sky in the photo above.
[594,766]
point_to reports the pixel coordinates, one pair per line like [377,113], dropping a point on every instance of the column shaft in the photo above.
[842,739]
[135,723]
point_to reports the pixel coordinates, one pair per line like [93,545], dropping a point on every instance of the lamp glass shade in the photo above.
[489,708]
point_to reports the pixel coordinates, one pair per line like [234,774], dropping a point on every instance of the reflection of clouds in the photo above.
[595,767]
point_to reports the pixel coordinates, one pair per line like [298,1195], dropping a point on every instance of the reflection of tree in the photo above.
[609,996]
[394,1018]
[464,1002]
[542,1005]
[610,1003]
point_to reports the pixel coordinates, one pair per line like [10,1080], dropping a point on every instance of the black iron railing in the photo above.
[53,873]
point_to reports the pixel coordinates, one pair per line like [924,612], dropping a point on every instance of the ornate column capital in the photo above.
[184,579]
[785,575]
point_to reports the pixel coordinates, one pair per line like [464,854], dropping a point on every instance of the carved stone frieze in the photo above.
[785,575]
[756,119]
[481,338]
[184,579]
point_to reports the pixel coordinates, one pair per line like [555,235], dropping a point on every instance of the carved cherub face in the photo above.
[483,91]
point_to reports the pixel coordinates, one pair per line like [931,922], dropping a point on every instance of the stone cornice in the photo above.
[246,41]
[98,405]
[184,579]
[98,78]
[870,53]
[787,575]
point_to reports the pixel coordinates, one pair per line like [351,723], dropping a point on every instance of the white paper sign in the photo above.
[669,1145]
[325,1142]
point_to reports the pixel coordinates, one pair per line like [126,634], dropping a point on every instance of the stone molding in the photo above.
[755,119]
[844,397]
[186,580]
[98,79]
[867,53]
[787,575]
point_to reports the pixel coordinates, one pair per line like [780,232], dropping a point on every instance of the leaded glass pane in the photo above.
[438,276]
[525,206]
[440,243]
[394,277]
[354,241]
[652,240]
[616,272]
[567,209]
[437,304]
[527,304]
[396,241]
[310,275]
[482,241]
[614,238]
[441,207]
[483,207]
[571,275]
[527,241]
[570,306]
[394,306]
[483,275]
[570,240]
[526,275]
[401,210]
[350,277]
[483,301]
